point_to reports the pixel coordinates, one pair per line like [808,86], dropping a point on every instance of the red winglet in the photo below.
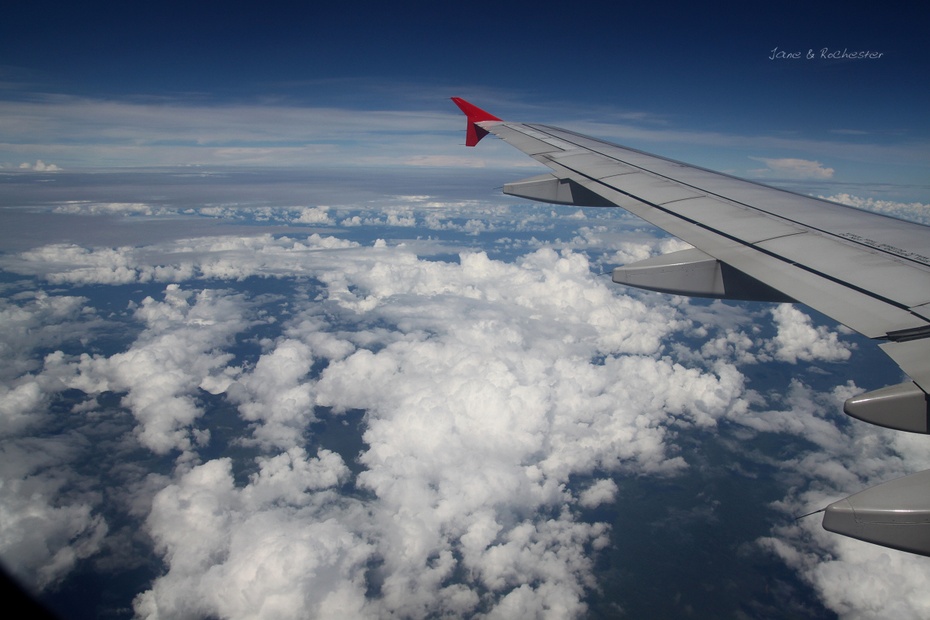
[473,133]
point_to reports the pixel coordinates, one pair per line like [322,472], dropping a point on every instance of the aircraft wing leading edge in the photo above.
[754,242]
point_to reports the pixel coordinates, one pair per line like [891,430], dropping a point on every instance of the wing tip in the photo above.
[473,133]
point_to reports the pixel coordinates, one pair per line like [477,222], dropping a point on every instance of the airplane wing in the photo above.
[754,242]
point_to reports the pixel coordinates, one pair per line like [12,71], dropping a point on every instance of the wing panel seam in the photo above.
[840,236]
[741,242]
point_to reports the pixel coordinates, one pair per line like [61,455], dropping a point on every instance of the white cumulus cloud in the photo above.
[39,166]
[794,168]
[798,340]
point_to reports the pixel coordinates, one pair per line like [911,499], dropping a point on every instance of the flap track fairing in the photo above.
[695,274]
[550,188]
[895,514]
[903,407]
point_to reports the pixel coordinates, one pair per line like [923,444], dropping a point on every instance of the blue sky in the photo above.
[294,84]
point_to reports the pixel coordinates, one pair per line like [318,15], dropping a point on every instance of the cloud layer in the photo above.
[494,403]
